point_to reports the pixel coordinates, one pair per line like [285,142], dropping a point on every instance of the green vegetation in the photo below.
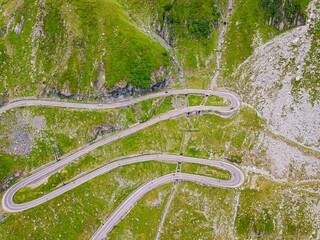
[27,194]
[199,212]
[9,164]
[273,9]
[78,213]
[217,101]
[199,20]
[195,100]
[207,171]
[200,28]
[266,210]
[215,13]
[77,39]
[247,24]
[140,74]
[165,106]
[191,27]
[310,80]
[258,211]
[143,220]
[215,132]
[168,7]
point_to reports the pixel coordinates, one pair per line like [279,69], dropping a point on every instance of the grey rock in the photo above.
[6,182]
[21,142]
[104,94]
[19,26]
[2,217]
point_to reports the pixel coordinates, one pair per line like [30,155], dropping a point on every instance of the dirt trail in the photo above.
[173,191]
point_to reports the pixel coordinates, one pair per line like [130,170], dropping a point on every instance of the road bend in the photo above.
[236,180]
[25,103]
[8,205]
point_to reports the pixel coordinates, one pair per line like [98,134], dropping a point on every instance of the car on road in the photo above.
[231,108]
[100,105]
[166,92]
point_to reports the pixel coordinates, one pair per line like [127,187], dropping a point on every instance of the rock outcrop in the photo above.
[283,14]
[159,79]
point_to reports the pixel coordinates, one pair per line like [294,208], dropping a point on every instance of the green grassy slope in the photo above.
[139,223]
[63,43]
[218,137]
[249,27]
[311,74]
[79,213]
[191,27]
[268,210]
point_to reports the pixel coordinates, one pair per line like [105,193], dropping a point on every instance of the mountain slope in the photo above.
[73,47]
[281,81]
[190,27]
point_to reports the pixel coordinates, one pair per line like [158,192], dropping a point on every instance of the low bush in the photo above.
[141,74]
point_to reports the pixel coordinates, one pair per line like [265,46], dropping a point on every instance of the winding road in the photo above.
[117,215]
[8,205]
[26,103]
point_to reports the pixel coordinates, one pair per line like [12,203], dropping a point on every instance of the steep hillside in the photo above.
[74,48]
[281,81]
[284,14]
[190,27]
[252,23]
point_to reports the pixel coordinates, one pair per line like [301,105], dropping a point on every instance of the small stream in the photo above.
[220,42]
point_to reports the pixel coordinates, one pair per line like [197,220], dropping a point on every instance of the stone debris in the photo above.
[265,80]
[2,217]
[19,26]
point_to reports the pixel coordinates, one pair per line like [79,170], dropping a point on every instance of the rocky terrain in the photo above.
[280,81]
[43,51]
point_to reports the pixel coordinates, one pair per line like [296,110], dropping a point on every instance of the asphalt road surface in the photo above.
[234,100]
[8,204]
[121,211]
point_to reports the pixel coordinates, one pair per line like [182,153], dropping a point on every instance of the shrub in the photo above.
[291,10]
[272,8]
[200,28]
[141,74]
[170,18]
[168,7]
[216,14]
